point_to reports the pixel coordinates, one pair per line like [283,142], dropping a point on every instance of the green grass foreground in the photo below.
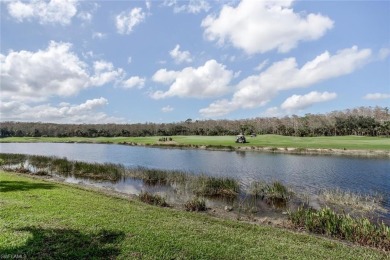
[41,220]
[324,142]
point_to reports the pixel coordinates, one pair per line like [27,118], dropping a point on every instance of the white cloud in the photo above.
[87,112]
[261,66]
[98,35]
[167,109]
[218,108]
[193,6]
[129,59]
[164,76]
[299,102]
[55,71]
[180,56]
[148,4]
[133,82]
[258,90]
[54,11]
[261,26]
[125,22]
[105,72]
[85,16]
[206,81]
[376,96]
[273,112]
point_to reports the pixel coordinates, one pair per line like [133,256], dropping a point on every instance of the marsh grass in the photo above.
[157,177]
[213,186]
[196,204]
[355,201]
[153,199]
[62,166]
[342,226]
[40,162]
[12,159]
[107,171]
[274,193]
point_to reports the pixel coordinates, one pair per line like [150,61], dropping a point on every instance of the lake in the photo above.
[307,173]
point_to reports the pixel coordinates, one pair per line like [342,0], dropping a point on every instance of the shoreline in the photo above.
[285,150]
[367,153]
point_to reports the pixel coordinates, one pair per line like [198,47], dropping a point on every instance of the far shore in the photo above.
[335,145]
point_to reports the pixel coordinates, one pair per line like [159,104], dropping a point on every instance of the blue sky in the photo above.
[166,61]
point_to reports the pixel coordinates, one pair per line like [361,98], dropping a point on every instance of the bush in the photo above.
[326,221]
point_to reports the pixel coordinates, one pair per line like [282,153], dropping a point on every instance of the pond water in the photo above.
[306,173]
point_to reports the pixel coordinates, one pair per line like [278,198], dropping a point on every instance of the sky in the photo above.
[69,61]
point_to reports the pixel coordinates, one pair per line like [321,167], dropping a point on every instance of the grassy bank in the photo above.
[41,219]
[329,142]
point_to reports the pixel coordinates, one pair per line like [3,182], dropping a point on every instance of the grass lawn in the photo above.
[329,142]
[43,220]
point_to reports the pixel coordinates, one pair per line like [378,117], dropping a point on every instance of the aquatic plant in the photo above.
[258,189]
[152,199]
[156,176]
[196,204]
[12,159]
[214,186]
[107,171]
[61,166]
[353,200]
[275,192]
[40,162]
[342,226]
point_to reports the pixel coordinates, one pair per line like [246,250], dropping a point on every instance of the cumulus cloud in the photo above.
[273,112]
[87,112]
[258,90]
[376,96]
[192,6]
[218,108]
[105,72]
[299,102]
[54,71]
[126,21]
[134,82]
[167,109]
[210,80]
[54,11]
[261,26]
[180,56]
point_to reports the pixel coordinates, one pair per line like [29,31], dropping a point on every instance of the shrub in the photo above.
[343,226]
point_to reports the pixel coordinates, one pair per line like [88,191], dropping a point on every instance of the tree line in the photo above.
[363,121]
